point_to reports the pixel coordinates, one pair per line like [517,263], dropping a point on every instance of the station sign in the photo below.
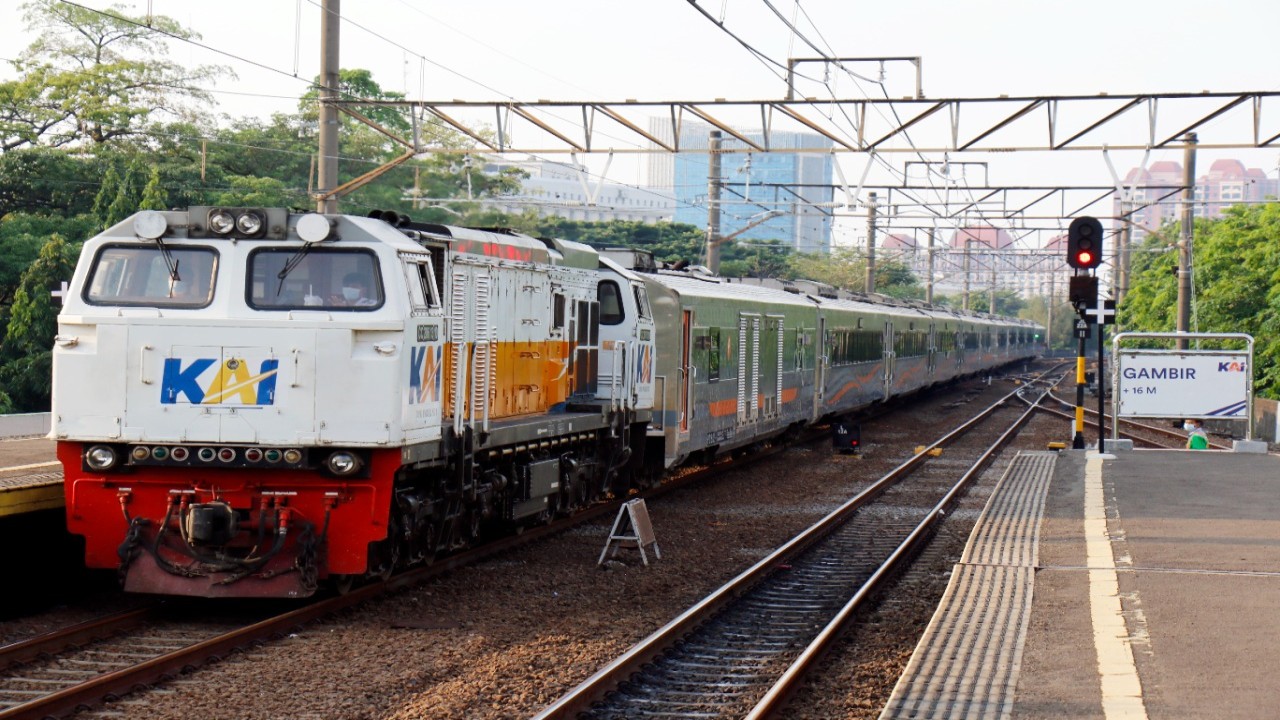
[1188,384]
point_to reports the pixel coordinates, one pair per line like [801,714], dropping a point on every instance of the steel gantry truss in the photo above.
[1223,120]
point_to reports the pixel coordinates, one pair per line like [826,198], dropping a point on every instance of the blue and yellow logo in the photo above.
[424,374]
[232,384]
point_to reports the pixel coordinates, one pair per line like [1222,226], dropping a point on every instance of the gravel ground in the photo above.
[504,638]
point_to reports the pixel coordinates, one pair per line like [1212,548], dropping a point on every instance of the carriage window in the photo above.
[610,297]
[140,275]
[320,280]
[713,354]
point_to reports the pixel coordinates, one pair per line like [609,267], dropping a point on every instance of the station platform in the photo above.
[1144,584]
[30,477]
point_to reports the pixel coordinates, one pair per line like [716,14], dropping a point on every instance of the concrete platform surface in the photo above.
[1155,594]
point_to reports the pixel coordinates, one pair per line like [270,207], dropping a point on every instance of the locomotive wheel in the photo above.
[384,555]
[344,583]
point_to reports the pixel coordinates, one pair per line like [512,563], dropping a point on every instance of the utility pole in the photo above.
[713,203]
[928,263]
[1122,255]
[870,284]
[1188,229]
[330,21]
[991,293]
[1048,328]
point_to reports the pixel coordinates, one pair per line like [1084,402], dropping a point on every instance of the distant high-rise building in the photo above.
[798,186]
[560,190]
[1158,195]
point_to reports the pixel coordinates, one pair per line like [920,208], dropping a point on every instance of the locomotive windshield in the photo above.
[323,279]
[140,275]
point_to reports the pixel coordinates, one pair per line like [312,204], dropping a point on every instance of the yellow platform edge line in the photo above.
[26,500]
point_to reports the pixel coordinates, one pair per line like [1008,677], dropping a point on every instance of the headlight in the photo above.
[221,221]
[250,223]
[100,458]
[342,463]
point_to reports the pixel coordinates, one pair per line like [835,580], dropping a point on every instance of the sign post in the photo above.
[1103,314]
[1201,384]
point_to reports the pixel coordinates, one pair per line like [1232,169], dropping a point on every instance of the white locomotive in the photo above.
[249,401]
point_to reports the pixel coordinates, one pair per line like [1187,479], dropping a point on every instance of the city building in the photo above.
[787,196]
[560,190]
[1157,197]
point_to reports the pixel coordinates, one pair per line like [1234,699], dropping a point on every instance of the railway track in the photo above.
[1146,434]
[743,650]
[97,662]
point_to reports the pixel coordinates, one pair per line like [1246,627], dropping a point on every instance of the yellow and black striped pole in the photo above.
[1077,441]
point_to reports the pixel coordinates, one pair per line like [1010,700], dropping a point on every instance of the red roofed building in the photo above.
[1158,191]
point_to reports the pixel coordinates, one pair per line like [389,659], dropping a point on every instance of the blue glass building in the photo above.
[754,184]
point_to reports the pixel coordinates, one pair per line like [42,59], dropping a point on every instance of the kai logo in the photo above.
[231,384]
[1231,366]
[644,365]
[424,374]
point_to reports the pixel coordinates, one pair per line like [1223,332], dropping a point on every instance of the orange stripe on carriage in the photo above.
[723,408]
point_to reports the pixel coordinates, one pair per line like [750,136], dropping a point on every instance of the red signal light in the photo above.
[1084,259]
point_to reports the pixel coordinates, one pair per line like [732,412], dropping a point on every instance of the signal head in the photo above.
[1084,243]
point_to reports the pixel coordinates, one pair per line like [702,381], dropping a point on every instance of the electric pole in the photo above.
[1188,230]
[870,284]
[1122,255]
[713,203]
[928,261]
[327,172]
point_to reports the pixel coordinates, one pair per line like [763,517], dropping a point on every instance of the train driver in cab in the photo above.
[355,291]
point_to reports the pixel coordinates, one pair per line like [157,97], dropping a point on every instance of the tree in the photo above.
[21,237]
[95,76]
[154,196]
[25,356]
[1236,281]
[846,268]
[42,180]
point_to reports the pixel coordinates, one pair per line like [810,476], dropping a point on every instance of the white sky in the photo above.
[666,50]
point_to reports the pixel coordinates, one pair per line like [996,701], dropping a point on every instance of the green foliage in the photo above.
[1008,303]
[95,76]
[25,357]
[846,268]
[21,237]
[259,192]
[45,180]
[154,196]
[1236,281]
[1062,333]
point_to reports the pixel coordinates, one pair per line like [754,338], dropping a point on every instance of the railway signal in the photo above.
[1084,243]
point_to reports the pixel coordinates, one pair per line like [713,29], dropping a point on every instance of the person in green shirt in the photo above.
[1196,437]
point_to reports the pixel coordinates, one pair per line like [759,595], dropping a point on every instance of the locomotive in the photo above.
[251,402]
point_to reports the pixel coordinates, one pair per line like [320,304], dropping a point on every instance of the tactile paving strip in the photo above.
[26,481]
[966,664]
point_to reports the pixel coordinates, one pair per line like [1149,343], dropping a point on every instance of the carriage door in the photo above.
[820,363]
[933,349]
[890,358]
[748,367]
[686,349]
[771,359]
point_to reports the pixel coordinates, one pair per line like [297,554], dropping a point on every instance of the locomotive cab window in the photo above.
[423,293]
[612,311]
[642,302]
[148,276]
[328,279]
